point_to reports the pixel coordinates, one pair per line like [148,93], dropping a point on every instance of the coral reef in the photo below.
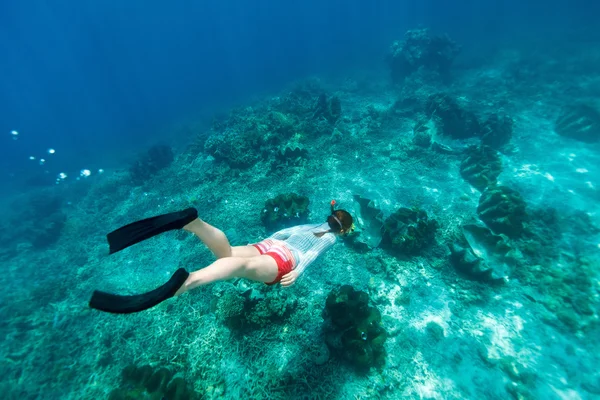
[300,101]
[284,211]
[481,166]
[48,230]
[38,219]
[330,109]
[421,49]
[503,210]
[146,382]
[147,165]
[497,131]
[246,340]
[237,149]
[252,308]
[450,118]
[569,293]
[250,135]
[408,230]
[355,332]
[230,306]
[580,122]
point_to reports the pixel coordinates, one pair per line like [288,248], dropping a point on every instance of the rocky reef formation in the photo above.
[37,218]
[146,382]
[451,120]
[355,332]
[250,135]
[421,50]
[329,109]
[251,308]
[148,164]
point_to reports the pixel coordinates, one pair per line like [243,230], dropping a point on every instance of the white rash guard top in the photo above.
[303,243]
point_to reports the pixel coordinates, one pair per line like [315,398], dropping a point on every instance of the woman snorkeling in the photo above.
[281,258]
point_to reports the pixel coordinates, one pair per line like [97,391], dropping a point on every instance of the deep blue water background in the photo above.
[100,80]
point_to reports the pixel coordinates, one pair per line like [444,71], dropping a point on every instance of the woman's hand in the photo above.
[289,278]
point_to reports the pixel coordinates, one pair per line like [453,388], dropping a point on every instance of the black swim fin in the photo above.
[113,303]
[135,232]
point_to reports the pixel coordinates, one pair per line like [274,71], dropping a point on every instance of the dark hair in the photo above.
[339,221]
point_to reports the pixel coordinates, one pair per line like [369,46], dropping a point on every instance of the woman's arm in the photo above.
[311,255]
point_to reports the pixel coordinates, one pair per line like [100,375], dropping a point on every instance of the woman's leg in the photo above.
[212,237]
[259,268]
[244,251]
[217,241]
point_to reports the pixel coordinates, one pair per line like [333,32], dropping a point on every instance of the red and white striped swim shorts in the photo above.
[280,253]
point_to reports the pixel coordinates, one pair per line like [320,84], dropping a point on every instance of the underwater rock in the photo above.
[335,108]
[497,131]
[319,353]
[250,135]
[48,230]
[145,382]
[280,125]
[408,230]
[284,211]
[147,165]
[230,308]
[237,149]
[580,122]
[434,331]
[422,135]
[273,308]
[37,218]
[241,308]
[331,109]
[450,118]
[357,334]
[368,221]
[420,49]
[300,101]
[481,166]
[503,210]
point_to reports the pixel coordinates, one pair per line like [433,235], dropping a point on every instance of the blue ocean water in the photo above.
[462,137]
